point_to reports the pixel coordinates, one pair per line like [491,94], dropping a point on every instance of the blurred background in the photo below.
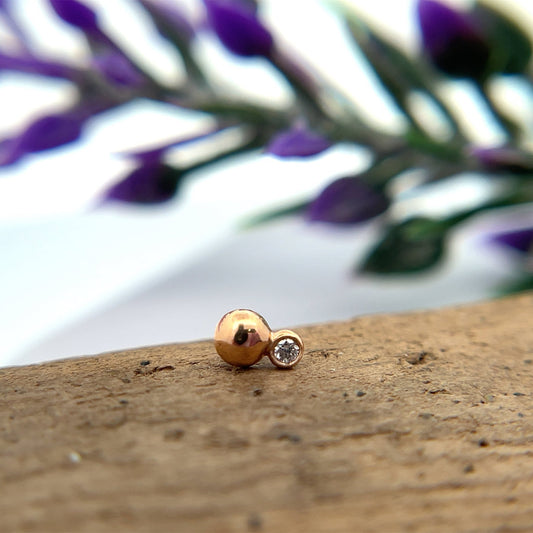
[78,276]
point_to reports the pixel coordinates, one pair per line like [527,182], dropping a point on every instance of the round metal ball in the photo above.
[242,337]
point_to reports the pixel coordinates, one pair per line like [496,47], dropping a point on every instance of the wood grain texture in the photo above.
[410,422]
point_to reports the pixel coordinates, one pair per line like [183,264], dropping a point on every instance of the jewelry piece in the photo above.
[243,337]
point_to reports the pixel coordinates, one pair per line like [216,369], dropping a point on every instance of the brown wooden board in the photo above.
[410,422]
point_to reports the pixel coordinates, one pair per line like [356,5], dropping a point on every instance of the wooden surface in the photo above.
[413,422]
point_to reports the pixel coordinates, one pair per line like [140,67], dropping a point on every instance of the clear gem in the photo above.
[286,351]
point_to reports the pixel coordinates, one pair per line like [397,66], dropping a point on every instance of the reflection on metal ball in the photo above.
[242,337]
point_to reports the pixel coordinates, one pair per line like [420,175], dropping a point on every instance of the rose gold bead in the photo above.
[242,337]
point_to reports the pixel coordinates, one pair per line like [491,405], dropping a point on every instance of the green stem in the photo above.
[509,126]
[303,85]
[248,113]
[385,169]
[447,112]
[295,208]
[522,195]
[254,143]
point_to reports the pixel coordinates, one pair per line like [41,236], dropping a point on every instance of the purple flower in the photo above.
[503,159]
[45,133]
[348,200]
[238,27]
[108,58]
[297,142]
[76,14]
[519,240]
[151,182]
[452,41]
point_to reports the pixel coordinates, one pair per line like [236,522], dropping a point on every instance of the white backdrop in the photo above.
[77,280]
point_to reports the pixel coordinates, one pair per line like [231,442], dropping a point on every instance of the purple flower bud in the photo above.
[297,142]
[348,201]
[117,69]
[76,14]
[503,159]
[452,41]
[238,28]
[50,131]
[108,58]
[150,183]
[519,240]
[45,133]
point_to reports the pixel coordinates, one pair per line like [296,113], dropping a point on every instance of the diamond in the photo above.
[286,351]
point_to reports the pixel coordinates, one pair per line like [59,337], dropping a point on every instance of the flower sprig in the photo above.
[478,44]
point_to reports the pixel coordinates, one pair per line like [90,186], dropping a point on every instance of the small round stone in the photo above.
[286,351]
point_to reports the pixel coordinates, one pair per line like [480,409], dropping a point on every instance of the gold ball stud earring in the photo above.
[243,337]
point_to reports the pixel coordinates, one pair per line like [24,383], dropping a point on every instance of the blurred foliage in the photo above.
[479,44]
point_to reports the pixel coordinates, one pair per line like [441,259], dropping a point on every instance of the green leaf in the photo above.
[395,71]
[511,45]
[412,246]
[177,38]
[522,284]
[399,74]
[447,151]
